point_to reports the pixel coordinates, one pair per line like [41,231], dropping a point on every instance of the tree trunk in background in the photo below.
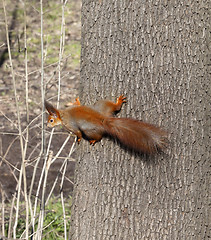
[156,54]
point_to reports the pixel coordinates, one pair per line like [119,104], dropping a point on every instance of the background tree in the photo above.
[155,53]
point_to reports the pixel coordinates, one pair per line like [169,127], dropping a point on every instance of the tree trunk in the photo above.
[155,53]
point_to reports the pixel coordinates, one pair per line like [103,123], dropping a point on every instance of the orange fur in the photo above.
[94,122]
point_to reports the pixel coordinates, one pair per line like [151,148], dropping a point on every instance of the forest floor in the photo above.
[10,150]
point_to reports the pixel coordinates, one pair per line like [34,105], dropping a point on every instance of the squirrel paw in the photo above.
[77,102]
[92,142]
[120,100]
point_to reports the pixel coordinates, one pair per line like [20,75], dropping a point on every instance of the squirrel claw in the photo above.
[92,142]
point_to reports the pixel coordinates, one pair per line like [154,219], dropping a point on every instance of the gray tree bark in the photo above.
[156,54]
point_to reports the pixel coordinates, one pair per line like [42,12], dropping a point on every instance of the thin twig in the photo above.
[27,129]
[10,120]
[42,78]
[58,153]
[11,215]
[42,206]
[61,50]
[2,211]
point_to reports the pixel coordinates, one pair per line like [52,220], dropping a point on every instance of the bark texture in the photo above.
[156,54]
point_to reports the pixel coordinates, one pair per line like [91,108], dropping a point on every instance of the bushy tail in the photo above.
[137,135]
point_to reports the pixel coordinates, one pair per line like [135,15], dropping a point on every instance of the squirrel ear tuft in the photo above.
[51,109]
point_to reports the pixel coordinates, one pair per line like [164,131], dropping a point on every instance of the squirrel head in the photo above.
[54,116]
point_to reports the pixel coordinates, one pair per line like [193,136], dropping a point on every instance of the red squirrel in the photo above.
[94,122]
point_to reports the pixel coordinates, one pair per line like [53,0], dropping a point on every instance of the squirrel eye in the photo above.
[51,120]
